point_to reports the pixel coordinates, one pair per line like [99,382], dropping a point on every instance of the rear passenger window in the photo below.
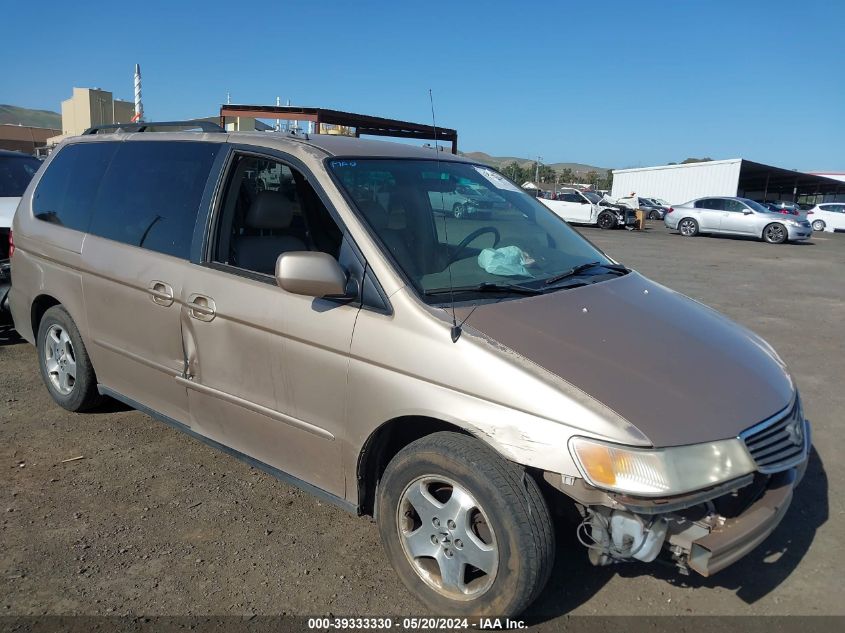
[151,194]
[66,192]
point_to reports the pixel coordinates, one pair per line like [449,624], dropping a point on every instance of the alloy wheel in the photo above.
[775,233]
[59,359]
[818,225]
[447,538]
[687,227]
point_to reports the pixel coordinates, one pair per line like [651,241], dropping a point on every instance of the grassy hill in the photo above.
[26,116]
[498,161]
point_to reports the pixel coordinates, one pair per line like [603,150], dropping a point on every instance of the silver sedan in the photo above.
[736,216]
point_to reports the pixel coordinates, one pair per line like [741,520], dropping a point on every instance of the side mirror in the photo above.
[747,212]
[310,273]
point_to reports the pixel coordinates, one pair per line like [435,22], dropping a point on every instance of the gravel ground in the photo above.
[152,522]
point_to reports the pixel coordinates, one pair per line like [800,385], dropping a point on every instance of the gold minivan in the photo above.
[314,306]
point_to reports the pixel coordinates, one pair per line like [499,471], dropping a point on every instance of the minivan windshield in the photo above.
[466,227]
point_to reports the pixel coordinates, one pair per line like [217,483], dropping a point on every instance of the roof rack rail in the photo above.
[130,128]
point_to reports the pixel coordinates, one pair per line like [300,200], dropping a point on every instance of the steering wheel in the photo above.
[471,237]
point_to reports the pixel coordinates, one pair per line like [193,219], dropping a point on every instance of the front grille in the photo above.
[780,442]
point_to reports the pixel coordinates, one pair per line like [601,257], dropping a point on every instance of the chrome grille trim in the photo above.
[772,443]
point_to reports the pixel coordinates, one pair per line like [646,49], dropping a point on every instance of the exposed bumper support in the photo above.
[739,535]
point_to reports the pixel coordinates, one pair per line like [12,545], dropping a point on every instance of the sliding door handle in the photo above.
[161,293]
[201,308]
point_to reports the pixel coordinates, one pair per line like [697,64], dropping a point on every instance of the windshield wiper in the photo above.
[489,287]
[576,270]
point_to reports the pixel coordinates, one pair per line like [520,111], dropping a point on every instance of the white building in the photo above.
[734,177]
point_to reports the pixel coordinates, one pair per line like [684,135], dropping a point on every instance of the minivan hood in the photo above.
[677,370]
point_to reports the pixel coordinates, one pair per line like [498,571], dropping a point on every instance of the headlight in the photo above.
[660,472]
[793,222]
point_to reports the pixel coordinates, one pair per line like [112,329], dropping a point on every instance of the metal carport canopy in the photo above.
[765,182]
[364,124]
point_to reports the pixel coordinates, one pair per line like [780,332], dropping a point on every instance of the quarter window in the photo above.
[66,191]
[151,193]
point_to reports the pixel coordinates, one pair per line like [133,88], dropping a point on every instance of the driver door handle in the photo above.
[201,308]
[161,293]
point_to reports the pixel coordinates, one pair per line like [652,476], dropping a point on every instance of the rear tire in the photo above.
[64,363]
[458,210]
[775,233]
[688,227]
[652,215]
[606,220]
[818,225]
[447,501]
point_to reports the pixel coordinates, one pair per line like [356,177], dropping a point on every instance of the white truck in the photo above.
[586,207]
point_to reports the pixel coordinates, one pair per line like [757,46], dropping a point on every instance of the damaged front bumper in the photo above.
[704,531]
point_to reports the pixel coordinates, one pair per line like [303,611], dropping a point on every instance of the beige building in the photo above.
[92,106]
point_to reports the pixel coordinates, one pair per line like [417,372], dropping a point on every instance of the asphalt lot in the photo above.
[152,522]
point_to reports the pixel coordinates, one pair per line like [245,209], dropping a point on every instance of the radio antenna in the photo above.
[456,329]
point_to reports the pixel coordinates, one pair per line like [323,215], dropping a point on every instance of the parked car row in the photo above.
[16,170]
[736,216]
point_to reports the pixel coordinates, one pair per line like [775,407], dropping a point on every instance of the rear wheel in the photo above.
[458,210]
[63,360]
[688,227]
[652,215]
[606,220]
[775,233]
[467,532]
[818,225]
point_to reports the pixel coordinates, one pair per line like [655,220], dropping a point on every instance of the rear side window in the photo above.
[151,194]
[66,192]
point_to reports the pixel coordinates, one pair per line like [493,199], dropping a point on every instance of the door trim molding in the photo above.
[270,470]
[256,408]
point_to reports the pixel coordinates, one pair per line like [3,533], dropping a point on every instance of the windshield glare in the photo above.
[467,220]
[15,174]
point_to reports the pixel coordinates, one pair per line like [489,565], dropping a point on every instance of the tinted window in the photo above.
[151,194]
[714,204]
[15,174]
[66,191]
[733,205]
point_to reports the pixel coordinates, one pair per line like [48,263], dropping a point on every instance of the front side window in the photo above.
[15,174]
[268,209]
[151,194]
[735,206]
[408,204]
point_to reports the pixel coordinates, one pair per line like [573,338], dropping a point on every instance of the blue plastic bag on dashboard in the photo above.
[508,261]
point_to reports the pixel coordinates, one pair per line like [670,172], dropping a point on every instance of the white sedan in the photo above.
[828,216]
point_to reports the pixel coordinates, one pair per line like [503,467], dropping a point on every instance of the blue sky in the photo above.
[614,84]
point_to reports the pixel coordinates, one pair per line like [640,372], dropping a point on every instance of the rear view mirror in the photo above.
[310,273]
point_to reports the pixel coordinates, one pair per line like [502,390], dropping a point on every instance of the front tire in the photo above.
[63,360]
[688,227]
[775,233]
[606,220]
[818,225]
[467,532]
[458,210]
[652,215]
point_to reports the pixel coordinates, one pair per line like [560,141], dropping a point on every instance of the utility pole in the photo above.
[537,171]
